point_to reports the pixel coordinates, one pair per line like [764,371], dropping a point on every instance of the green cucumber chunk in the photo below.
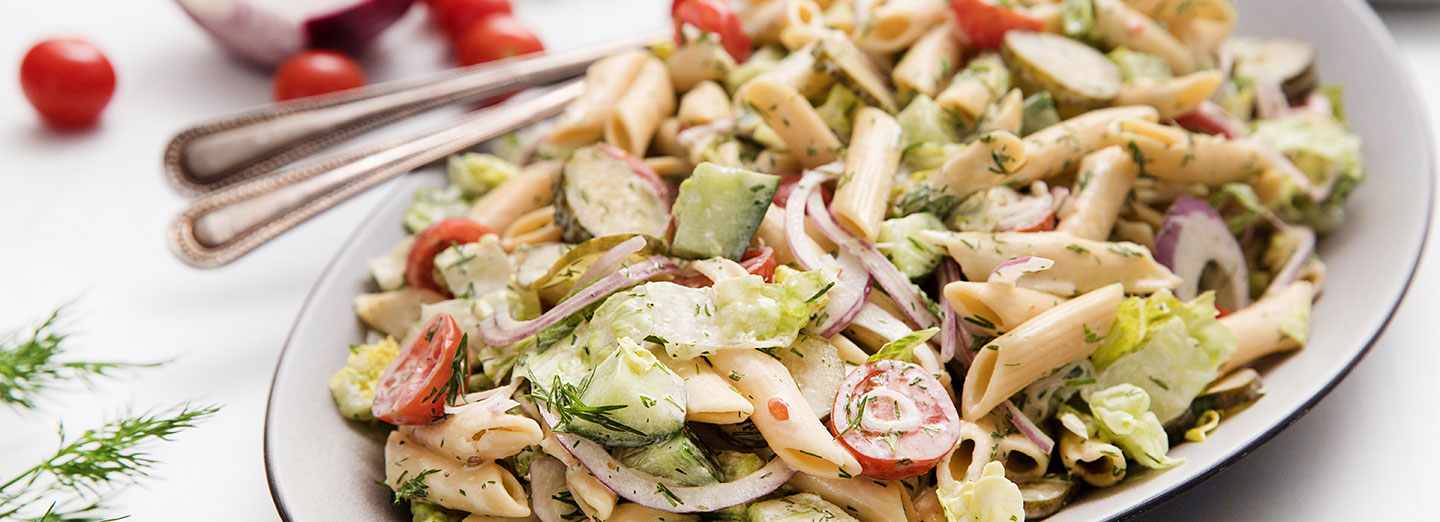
[651,400]
[681,459]
[719,209]
[901,243]
[1038,112]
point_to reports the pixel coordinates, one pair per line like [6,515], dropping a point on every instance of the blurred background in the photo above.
[84,215]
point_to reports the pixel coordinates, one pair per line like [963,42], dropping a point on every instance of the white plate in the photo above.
[322,467]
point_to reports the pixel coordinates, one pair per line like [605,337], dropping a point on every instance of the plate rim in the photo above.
[1430,166]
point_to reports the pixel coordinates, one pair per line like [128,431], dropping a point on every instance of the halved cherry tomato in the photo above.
[68,81]
[638,166]
[316,72]
[760,262]
[411,391]
[983,25]
[1221,309]
[712,16]
[456,16]
[496,37]
[895,418]
[440,235]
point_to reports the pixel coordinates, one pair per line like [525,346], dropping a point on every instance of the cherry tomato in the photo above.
[760,262]
[316,72]
[68,81]
[496,37]
[712,16]
[411,391]
[440,235]
[638,166]
[895,418]
[1222,311]
[457,16]
[1204,122]
[1044,225]
[983,25]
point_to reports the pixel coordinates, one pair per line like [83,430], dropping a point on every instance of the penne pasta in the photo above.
[486,489]
[799,70]
[791,116]
[972,90]
[638,111]
[1276,323]
[766,23]
[1056,149]
[896,24]
[929,62]
[1006,115]
[1056,337]
[982,164]
[1172,154]
[629,512]
[783,415]
[705,103]
[533,228]
[1121,26]
[995,308]
[865,499]
[1104,180]
[1094,461]
[392,313]
[594,498]
[517,196]
[1170,96]
[584,119]
[709,397]
[474,434]
[1081,265]
[863,192]
[698,61]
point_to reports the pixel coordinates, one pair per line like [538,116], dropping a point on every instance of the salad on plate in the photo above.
[876,261]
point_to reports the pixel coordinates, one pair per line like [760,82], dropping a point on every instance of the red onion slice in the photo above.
[547,479]
[610,260]
[500,329]
[658,493]
[844,300]
[951,333]
[1027,427]
[905,293]
[1010,271]
[1270,101]
[1305,245]
[1192,236]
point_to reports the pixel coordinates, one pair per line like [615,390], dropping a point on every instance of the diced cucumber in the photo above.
[681,459]
[1078,76]
[838,111]
[719,209]
[1039,112]
[1135,65]
[802,507]
[735,465]
[650,396]
[598,194]
[924,121]
[901,243]
[818,371]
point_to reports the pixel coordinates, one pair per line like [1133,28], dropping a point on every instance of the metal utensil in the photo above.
[232,149]
[223,225]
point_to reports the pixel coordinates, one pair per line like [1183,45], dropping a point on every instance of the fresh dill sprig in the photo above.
[564,399]
[30,366]
[414,487]
[76,480]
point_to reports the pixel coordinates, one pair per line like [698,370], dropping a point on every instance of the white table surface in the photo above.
[85,216]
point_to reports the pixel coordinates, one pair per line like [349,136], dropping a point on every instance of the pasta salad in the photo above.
[858,260]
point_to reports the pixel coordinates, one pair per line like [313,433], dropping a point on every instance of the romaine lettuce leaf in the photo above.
[1327,153]
[354,385]
[433,204]
[1123,416]
[901,243]
[990,498]
[475,173]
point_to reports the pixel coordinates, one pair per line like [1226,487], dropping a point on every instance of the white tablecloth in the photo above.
[85,216]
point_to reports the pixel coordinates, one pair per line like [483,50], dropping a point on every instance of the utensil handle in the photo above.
[223,225]
[235,148]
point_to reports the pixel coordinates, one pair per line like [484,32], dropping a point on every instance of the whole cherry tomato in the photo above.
[68,81]
[316,72]
[413,388]
[496,37]
[457,16]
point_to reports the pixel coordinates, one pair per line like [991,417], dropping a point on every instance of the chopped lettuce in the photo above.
[1136,65]
[838,111]
[354,385]
[476,173]
[1042,398]
[427,512]
[763,59]
[433,204]
[901,243]
[1123,416]
[389,269]
[475,269]
[1246,208]
[903,349]
[923,121]
[1321,147]
[918,196]
[990,498]
[744,312]
[1169,348]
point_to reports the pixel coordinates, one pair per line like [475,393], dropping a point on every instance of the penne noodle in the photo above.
[970,455]
[982,164]
[1056,337]
[1172,13]
[1105,179]
[863,192]
[800,70]
[705,103]
[638,111]
[584,119]
[972,90]
[1173,154]
[1121,26]
[1094,461]
[849,351]
[930,61]
[487,489]
[898,23]
[593,497]
[392,313]
[1054,150]
[667,142]
[709,397]
[783,415]
[766,23]
[995,308]
[668,166]
[791,116]
[865,499]
[772,234]
[1136,232]
[517,196]
[474,433]
[534,228]
[1007,115]
[1170,96]
[629,512]
[1267,326]
[1081,265]
[698,61]
[777,162]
